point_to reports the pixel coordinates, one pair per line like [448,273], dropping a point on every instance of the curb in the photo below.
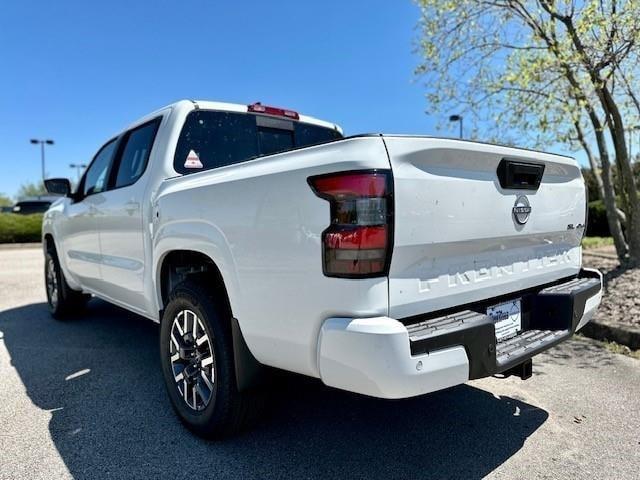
[599,255]
[15,246]
[612,333]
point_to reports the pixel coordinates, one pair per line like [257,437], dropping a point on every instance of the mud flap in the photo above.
[249,372]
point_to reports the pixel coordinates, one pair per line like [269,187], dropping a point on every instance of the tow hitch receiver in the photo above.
[524,370]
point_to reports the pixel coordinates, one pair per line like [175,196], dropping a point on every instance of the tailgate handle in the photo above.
[519,175]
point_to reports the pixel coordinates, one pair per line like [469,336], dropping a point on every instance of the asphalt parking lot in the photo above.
[85,399]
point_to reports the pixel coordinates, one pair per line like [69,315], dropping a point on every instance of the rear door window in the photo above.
[212,139]
[135,154]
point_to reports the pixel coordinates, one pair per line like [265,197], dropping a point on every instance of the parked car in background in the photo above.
[386,265]
[39,204]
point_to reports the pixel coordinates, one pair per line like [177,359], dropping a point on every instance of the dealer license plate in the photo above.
[507,318]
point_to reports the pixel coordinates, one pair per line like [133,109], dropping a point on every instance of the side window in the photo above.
[135,154]
[97,175]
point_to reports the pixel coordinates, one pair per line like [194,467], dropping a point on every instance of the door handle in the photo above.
[92,210]
[132,206]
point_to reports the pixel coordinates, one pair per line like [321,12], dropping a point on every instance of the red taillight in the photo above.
[280,112]
[358,241]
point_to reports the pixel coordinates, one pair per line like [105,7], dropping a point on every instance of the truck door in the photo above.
[121,219]
[80,238]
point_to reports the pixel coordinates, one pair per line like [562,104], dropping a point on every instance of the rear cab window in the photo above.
[212,139]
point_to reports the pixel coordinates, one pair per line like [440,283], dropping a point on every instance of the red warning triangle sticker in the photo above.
[193,161]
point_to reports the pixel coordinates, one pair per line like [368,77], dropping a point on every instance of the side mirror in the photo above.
[58,186]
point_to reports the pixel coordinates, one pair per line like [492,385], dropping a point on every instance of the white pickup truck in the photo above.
[387,265]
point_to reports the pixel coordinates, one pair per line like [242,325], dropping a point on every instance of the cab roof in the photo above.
[229,107]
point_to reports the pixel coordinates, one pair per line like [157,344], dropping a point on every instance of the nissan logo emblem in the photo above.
[521,210]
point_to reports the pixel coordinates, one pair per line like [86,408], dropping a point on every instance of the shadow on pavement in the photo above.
[101,376]
[579,353]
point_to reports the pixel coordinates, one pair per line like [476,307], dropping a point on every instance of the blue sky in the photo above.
[78,71]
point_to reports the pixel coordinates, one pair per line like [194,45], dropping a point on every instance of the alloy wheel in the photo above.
[192,360]
[52,283]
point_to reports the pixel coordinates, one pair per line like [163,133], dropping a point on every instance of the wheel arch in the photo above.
[178,265]
[48,241]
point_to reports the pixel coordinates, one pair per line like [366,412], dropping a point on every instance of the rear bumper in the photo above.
[387,358]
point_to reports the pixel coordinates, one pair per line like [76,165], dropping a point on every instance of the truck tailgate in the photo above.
[457,239]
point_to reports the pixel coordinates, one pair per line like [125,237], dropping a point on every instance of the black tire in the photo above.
[227,411]
[63,301]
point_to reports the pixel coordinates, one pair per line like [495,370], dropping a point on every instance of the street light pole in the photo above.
[457,118]
[42,143]
[78,167]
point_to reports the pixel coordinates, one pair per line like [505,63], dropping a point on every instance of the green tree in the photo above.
[549,71]
[5,200]
[30,189]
